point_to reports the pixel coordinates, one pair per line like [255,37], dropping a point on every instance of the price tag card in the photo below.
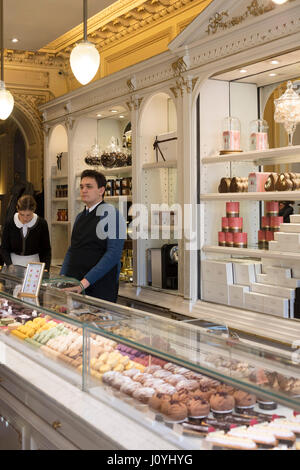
[32,280]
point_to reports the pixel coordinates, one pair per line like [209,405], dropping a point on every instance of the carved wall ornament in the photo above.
[131,83]
[46,129]
[67,107]
[182,83]
[69,121]
[179,67]
[134,103]
[220,21]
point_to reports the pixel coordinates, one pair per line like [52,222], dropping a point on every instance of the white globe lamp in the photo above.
[85,61]
[6,101]
[84,58]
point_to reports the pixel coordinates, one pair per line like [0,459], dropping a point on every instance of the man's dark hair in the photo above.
[99,177]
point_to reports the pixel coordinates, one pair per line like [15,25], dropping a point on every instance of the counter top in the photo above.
[278,330]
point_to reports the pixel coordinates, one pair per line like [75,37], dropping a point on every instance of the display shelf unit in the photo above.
[59,229]
[112,198]
[162,164]
[274,156]
[115,171]
[255,196]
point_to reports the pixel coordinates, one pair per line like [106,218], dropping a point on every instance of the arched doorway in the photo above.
[21,148]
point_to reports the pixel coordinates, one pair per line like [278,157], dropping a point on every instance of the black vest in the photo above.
[85,252]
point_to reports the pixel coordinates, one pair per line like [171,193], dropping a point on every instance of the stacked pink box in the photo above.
[270,223]
[232,234]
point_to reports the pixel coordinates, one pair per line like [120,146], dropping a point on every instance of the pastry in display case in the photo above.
[208,397]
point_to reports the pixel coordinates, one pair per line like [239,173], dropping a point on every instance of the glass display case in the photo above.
[174,377]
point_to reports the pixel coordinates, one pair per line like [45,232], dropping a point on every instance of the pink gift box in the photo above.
[265,223]
[229,239]
[275,222]
[235,224]
[231,140]
[240,240]
[222,239]
[272,208]
[259,141]
[256,182]
[262,235]
[225,224]
[232,209]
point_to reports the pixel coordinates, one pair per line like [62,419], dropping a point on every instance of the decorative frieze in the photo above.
[222,21]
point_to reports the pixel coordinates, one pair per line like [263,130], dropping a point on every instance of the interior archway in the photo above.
[24,124]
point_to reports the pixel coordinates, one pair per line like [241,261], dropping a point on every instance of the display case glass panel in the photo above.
[158,371]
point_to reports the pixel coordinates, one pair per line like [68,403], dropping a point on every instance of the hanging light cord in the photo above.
[1,40]
[84,20]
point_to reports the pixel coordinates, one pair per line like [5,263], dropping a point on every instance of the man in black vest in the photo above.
[94,256]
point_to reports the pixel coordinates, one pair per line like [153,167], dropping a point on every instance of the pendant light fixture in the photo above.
[6,98]
[84,58]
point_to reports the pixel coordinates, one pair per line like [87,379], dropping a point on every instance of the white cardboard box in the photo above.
[254,301]
[291,283]
[276,272]
[287,238]
[274,246]
[277,291]
[215,292]
[276,306]
[244,273]
[237,295]
[290,228]
[271,262]
[295,219]
[294,265]
[217,271]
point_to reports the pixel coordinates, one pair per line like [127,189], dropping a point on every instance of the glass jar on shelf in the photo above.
[93,156]
[231,135]
[108,157]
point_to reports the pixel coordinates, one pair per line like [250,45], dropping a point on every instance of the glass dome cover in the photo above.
[231,135]
[287,110]
[93,156]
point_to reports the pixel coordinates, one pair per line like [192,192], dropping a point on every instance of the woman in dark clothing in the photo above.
[26,237]
[285,210]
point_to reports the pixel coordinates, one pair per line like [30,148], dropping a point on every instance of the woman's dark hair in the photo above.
[26,203]
[96,175]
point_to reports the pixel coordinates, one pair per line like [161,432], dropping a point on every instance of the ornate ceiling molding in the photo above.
[17,57]
[221,21]
[121,19]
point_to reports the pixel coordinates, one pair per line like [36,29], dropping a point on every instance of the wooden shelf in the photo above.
[262,196]
[56,177]
[58,199]
[115,171]
[116,198]
[251,252]
[259,157]
[162,164]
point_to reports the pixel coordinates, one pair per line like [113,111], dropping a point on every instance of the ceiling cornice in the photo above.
[123,18]
[98,21]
